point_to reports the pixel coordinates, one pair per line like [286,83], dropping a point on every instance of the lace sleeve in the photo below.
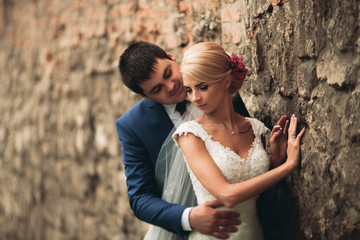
[191,127]
[258,127]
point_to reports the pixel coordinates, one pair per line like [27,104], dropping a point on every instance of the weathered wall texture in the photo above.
[305,59]
[61,175]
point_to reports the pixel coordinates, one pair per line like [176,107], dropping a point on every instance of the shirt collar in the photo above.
[170,108]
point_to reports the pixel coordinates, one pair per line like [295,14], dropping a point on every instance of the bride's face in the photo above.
[205,96]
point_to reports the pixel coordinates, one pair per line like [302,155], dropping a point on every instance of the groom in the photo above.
[149,71]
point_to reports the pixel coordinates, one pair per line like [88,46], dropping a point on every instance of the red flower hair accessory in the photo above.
[238,68]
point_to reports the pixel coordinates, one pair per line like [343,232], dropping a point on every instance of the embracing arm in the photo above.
[214,181]
[144,196]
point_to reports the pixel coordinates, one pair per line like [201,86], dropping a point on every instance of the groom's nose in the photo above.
[170,85]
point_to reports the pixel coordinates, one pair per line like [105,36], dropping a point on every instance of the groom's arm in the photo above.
[144,197]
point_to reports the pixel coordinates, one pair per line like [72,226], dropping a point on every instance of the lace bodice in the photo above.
[233,167]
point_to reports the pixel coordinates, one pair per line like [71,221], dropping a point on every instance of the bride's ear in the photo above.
[228,81]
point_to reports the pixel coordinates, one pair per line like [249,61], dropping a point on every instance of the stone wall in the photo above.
[61,175]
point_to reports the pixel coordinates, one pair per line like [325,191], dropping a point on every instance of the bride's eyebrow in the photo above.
[197,85]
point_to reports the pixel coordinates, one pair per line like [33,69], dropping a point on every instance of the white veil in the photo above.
[172,178]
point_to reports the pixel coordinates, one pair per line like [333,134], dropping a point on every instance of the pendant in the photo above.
[232,132]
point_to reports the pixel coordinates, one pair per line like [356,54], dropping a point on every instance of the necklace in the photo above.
[232,130]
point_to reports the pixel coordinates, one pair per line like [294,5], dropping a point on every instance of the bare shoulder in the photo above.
[193,147]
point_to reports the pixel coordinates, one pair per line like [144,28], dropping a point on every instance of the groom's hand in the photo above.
[217,223]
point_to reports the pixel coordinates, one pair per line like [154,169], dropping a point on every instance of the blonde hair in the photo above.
[208,62]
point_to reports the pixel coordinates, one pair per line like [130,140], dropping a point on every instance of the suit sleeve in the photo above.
[144,196]
[239,105]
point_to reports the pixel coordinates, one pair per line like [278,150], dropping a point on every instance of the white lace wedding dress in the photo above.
[235,169]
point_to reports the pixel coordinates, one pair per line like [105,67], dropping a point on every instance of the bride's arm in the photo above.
[214,181]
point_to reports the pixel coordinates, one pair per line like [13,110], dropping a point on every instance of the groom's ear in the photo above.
[172,57]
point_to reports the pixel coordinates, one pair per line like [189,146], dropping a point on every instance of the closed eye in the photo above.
[203,87]
[156,89]
[168,74]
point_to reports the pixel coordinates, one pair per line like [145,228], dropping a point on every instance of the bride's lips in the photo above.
[201,106]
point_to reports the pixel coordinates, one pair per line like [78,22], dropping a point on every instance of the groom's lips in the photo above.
[175,91]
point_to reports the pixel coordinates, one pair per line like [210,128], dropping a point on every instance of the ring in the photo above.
[220,228]
[293,135]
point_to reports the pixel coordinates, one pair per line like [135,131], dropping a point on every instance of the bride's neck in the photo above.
[228,120]
[224,115]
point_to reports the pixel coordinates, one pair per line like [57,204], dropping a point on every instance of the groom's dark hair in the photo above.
[137,63]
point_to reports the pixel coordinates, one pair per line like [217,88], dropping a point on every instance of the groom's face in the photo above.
[164,85]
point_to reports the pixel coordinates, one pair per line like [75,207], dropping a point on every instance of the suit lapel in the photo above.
[158,128]
[157,110]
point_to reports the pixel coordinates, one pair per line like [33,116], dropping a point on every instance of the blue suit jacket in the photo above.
[142,131]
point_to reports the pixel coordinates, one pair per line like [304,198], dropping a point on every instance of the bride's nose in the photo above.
[195,97]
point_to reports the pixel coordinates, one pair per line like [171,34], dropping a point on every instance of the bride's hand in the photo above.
[278,142]
[293,146]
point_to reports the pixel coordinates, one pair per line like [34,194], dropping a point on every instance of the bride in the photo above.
[224,151]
